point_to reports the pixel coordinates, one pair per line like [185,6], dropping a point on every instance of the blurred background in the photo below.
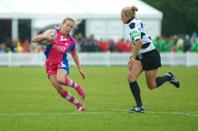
[102,38]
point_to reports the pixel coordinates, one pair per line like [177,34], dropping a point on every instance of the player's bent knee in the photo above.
[57,87]
[151,86]
[131,77]
[59,80]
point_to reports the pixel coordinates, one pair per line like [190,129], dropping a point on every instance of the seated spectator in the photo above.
[156,43]
[187,44]
[172,43]
[164,46]
[179,45]
[120,45]
[112,46]
[104,45]
[2,48]
[79,41]
[19,47]
[90,45]
[26,46]
[194,47]
[123,46]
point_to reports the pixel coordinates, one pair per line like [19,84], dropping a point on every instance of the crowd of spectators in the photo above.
[93,45]
[175,43]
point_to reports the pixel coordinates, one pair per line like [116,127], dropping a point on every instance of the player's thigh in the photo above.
[55,83]
[151,78]
[135,71]
[61,74]
[52,78]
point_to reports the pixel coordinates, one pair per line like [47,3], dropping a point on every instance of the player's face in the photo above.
[124,18]
[67,27]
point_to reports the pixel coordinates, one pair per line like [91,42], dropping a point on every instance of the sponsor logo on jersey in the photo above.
[59,48]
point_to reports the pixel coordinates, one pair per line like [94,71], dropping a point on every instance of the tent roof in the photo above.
[60,9]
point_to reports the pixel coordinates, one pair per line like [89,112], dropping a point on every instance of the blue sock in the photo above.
[162,79]
[135,90]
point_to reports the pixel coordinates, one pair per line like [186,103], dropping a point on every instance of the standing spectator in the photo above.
[194,46]
[187,44]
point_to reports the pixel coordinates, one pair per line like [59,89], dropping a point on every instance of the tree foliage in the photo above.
[179,16]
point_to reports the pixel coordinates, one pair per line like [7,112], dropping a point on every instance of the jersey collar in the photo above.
[130,20]
[63,39]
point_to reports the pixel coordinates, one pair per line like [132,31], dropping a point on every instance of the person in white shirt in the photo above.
[144,58]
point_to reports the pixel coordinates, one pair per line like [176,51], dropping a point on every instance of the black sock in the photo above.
[162,79]
[135,90]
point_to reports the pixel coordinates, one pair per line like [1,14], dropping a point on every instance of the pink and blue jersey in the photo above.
[56,53]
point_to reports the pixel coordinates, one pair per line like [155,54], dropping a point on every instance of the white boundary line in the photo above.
[48,113]
[192,114]
[92,111]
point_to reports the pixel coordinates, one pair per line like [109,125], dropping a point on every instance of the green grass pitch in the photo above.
[28,102]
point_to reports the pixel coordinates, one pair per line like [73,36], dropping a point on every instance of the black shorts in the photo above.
[150,60]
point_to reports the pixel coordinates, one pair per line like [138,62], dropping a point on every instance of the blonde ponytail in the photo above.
[134,8]
[130,11]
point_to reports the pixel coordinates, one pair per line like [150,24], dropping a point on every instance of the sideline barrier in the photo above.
[104,59]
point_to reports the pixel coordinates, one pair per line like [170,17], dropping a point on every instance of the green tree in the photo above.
[179,16]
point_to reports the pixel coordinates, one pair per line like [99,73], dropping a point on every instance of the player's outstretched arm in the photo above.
[77,61]
[45,38]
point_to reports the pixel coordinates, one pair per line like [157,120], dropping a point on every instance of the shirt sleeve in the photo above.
[135,31]
[136,34]
[73,45]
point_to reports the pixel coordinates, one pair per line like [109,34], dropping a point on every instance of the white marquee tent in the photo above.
[102,16]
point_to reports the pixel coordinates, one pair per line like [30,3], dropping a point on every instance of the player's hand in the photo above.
[131,63]
[49,39]
[46,39]
[82,73]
